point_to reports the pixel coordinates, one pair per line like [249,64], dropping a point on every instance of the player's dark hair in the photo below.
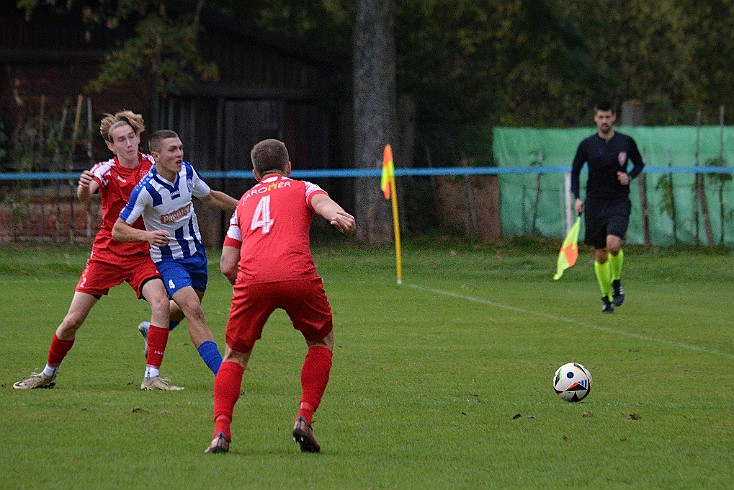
[270,154]
[154,142]
[604,105]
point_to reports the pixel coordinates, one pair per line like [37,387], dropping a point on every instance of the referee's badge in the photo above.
[622,158]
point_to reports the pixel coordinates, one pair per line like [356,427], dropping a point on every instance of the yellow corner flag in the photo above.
[569,250]
[387,184]
[388,172]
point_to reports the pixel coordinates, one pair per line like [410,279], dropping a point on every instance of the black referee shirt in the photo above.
[605,159]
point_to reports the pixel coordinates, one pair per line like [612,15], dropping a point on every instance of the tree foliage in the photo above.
[510,62]
[164,47]
[164,44]
[492,61]
[545,62]
[674,57]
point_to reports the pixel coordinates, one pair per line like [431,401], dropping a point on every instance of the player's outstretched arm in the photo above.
[220,200]
[328,209]
[122,232]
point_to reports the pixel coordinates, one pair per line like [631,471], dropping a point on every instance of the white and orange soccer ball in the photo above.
[572,382]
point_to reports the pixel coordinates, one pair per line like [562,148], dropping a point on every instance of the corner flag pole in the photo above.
[396,226]
[387,183]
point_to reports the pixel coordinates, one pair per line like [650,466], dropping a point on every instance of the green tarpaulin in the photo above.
[533,202]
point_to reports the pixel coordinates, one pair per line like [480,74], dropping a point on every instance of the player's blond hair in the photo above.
[111,121]
[270,154]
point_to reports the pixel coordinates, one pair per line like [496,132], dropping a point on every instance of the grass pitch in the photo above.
[443,382]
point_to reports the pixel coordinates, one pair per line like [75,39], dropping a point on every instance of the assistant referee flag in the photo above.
[569,250]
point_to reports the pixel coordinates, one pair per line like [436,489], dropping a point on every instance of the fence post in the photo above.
[568,200]
[470,216]
[643,204]
[672,198]
[536,200]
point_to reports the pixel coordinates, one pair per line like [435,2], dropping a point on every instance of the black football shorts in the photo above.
[604,217]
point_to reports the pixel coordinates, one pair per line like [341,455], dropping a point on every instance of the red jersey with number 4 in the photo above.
[271,227]
[115,185]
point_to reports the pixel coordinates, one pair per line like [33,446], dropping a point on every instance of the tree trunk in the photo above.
[375,117]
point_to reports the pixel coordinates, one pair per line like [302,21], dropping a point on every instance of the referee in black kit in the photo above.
[607,206]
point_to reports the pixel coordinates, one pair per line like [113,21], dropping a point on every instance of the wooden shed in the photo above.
[268,87]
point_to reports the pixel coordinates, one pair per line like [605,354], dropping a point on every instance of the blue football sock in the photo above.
[209,352]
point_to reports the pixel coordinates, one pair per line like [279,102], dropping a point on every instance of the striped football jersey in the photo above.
[168,206]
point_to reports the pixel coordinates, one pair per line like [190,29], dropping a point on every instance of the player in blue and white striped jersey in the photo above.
[166,205]
[164,199]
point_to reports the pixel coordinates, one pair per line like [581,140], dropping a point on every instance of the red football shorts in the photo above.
[98,277]
[304,301]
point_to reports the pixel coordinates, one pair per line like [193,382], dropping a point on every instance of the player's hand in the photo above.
[159,238]
[623,178]
[579,206]
[344,222]
[86,178]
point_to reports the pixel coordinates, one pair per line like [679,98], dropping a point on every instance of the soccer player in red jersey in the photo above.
[267,257]
[113,262]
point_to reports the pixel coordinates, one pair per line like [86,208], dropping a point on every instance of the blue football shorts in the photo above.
[180,273]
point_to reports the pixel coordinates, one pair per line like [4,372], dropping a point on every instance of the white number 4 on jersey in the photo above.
[261,218]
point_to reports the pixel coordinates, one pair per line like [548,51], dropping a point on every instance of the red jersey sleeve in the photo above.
[234,234]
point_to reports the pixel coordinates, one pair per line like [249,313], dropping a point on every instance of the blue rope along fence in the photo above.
[399,172]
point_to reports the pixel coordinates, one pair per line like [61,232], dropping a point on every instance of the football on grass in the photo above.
[572,382]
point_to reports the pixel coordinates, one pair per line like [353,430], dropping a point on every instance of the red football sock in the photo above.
[227,387]
[157,340]
[314,378]
[58,350]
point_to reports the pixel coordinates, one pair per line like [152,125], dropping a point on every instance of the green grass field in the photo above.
[443,382]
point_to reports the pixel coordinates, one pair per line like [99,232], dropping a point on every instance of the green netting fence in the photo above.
[685,195]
